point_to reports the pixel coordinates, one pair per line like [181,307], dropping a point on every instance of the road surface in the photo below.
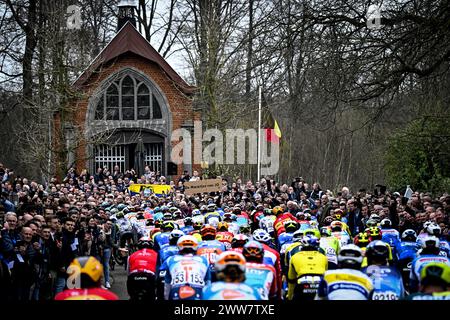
[119,285]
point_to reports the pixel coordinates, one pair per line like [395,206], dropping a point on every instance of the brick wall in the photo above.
[180,105]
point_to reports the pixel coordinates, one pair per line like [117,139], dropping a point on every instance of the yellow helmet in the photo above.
[89,268]
[433,271]
[222,226]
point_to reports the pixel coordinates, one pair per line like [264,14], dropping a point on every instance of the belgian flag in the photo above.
[270,126]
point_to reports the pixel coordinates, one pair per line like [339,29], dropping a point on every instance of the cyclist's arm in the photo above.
[292,280]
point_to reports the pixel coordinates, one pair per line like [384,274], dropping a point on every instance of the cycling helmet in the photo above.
[375,217]
[239,241]
[214,221]
[188,221]
[328,220]
[409,235]
[173,209]
[312,232]
[325,232]
[314,224]
[196,212]
[145,243]
[237,209]
[88,270]
[158,223]
[386,224]
[208,232]
[187,244]
[434,230]
[174,236]
[227,217]
[309,242]
[338,213]
[245,228]
[230,259]
[168,225]
[157,209]
[277,210]
[350,256]
[121,207]
[430,243]
[307,216]
[164,208]
[426,224]
[261,235]
[435,273]
[291,226]
[297,235]
[259,207]
[253,251]
[222,226]
[300,215]
[362,240]
[267,212]
[336,226]
[377,251]
[371,223]
[204,209]
[177,214]
[197,225]
[211,207]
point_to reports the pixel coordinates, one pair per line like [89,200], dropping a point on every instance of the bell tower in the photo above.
[127,9]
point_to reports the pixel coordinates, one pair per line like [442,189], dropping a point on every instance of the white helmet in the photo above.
[434,230]
[430,242]
[350,256]
[386,223]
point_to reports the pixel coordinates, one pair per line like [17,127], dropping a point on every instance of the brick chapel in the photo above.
[130,97]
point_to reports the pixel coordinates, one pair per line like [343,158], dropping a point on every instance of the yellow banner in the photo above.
[154,188]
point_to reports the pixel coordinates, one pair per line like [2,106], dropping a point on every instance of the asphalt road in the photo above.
[119,284]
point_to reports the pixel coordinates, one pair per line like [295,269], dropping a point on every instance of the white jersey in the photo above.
[345,284]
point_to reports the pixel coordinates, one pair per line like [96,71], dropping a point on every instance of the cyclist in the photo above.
[338,232]
[231,218]
[406,253]
[163,238]
[258,275]
[429,253]
[141,271]
[209,247]
[257,215]
[434,282]
[305,270]
[223,235]
[245,229]
[347,282]
[188,226]
[387,280]
[390,235]
[282,217]
[87,273]
[231,269]
[186,273]
[285,238]
[331,246]
[267,221]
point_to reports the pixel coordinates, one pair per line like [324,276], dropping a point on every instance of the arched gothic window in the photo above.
[128,99]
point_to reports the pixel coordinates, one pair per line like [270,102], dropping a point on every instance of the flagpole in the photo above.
[259,134]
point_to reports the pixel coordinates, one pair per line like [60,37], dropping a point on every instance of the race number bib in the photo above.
[385,295]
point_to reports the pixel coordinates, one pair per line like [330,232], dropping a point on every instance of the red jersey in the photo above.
[86,294]
[281,219]
[225,237]
[273,256]
[256,217]
[144,260]
[243,214]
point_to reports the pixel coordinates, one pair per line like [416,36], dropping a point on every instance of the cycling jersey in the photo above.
[262,277]
[387,282]
[166,252]
[266,223]
[284,238]
[257,217]
[161,239]
[417,266]
[185,277]
[407,250]
[225,237]
[345,284]
[343,237]
[144,260]
[211,249]
[279,222]
[445,248]
[230,291]
[187,229]
[86,294]
[212,218]
[392,237]
[305,263]
[331,246]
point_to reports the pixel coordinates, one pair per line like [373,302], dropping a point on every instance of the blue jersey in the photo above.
[418,264]
[392,237]
[187,229]
[161,239]
[283,238]
[261,277]
[230,291]
[166,252]
[186,275]
[387,282]
[407,250]
[445,248]
[345,284]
